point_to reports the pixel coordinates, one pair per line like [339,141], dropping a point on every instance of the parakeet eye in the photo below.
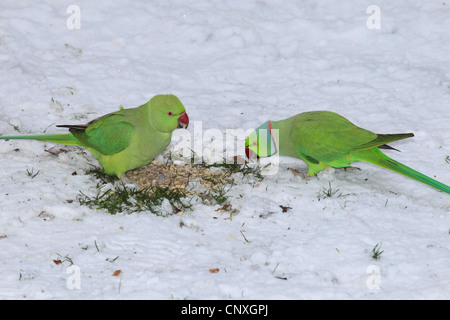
[255,143]
[170,114]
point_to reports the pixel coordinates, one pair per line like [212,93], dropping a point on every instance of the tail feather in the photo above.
[375,156]
[66,139]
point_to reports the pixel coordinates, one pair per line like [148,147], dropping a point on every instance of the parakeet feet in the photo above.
[302,174]
[349,168]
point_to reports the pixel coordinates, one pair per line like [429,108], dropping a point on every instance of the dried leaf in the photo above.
[226,207]
[284,208]
[117,273]
[176,210]
[215,270]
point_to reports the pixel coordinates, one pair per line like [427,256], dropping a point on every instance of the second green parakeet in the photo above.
[126,139]
[325,139]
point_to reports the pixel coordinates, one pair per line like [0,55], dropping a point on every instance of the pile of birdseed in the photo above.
[186,178]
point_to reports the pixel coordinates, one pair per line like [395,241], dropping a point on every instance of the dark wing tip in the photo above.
[385,146]
[74,126]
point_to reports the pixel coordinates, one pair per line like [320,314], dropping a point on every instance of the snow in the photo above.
[233,64]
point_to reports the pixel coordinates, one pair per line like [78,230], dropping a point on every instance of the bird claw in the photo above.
[349,168]
[302,174]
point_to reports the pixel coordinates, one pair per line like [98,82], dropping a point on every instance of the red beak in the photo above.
[183,121]
[251,155]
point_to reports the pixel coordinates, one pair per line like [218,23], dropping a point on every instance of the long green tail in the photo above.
[375,156]
[67,139]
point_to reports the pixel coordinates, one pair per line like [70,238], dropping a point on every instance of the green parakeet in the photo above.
[323,139]
[126,139]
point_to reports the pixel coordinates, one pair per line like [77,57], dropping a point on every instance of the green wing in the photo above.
[108,135]
[326,136]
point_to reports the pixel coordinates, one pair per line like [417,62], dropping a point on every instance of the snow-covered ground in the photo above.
[233,64]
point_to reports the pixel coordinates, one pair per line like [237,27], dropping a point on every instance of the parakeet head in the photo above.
[167,113]
[262,142]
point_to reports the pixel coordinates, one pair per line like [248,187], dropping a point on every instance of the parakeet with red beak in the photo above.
[325,139]
[126,139]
